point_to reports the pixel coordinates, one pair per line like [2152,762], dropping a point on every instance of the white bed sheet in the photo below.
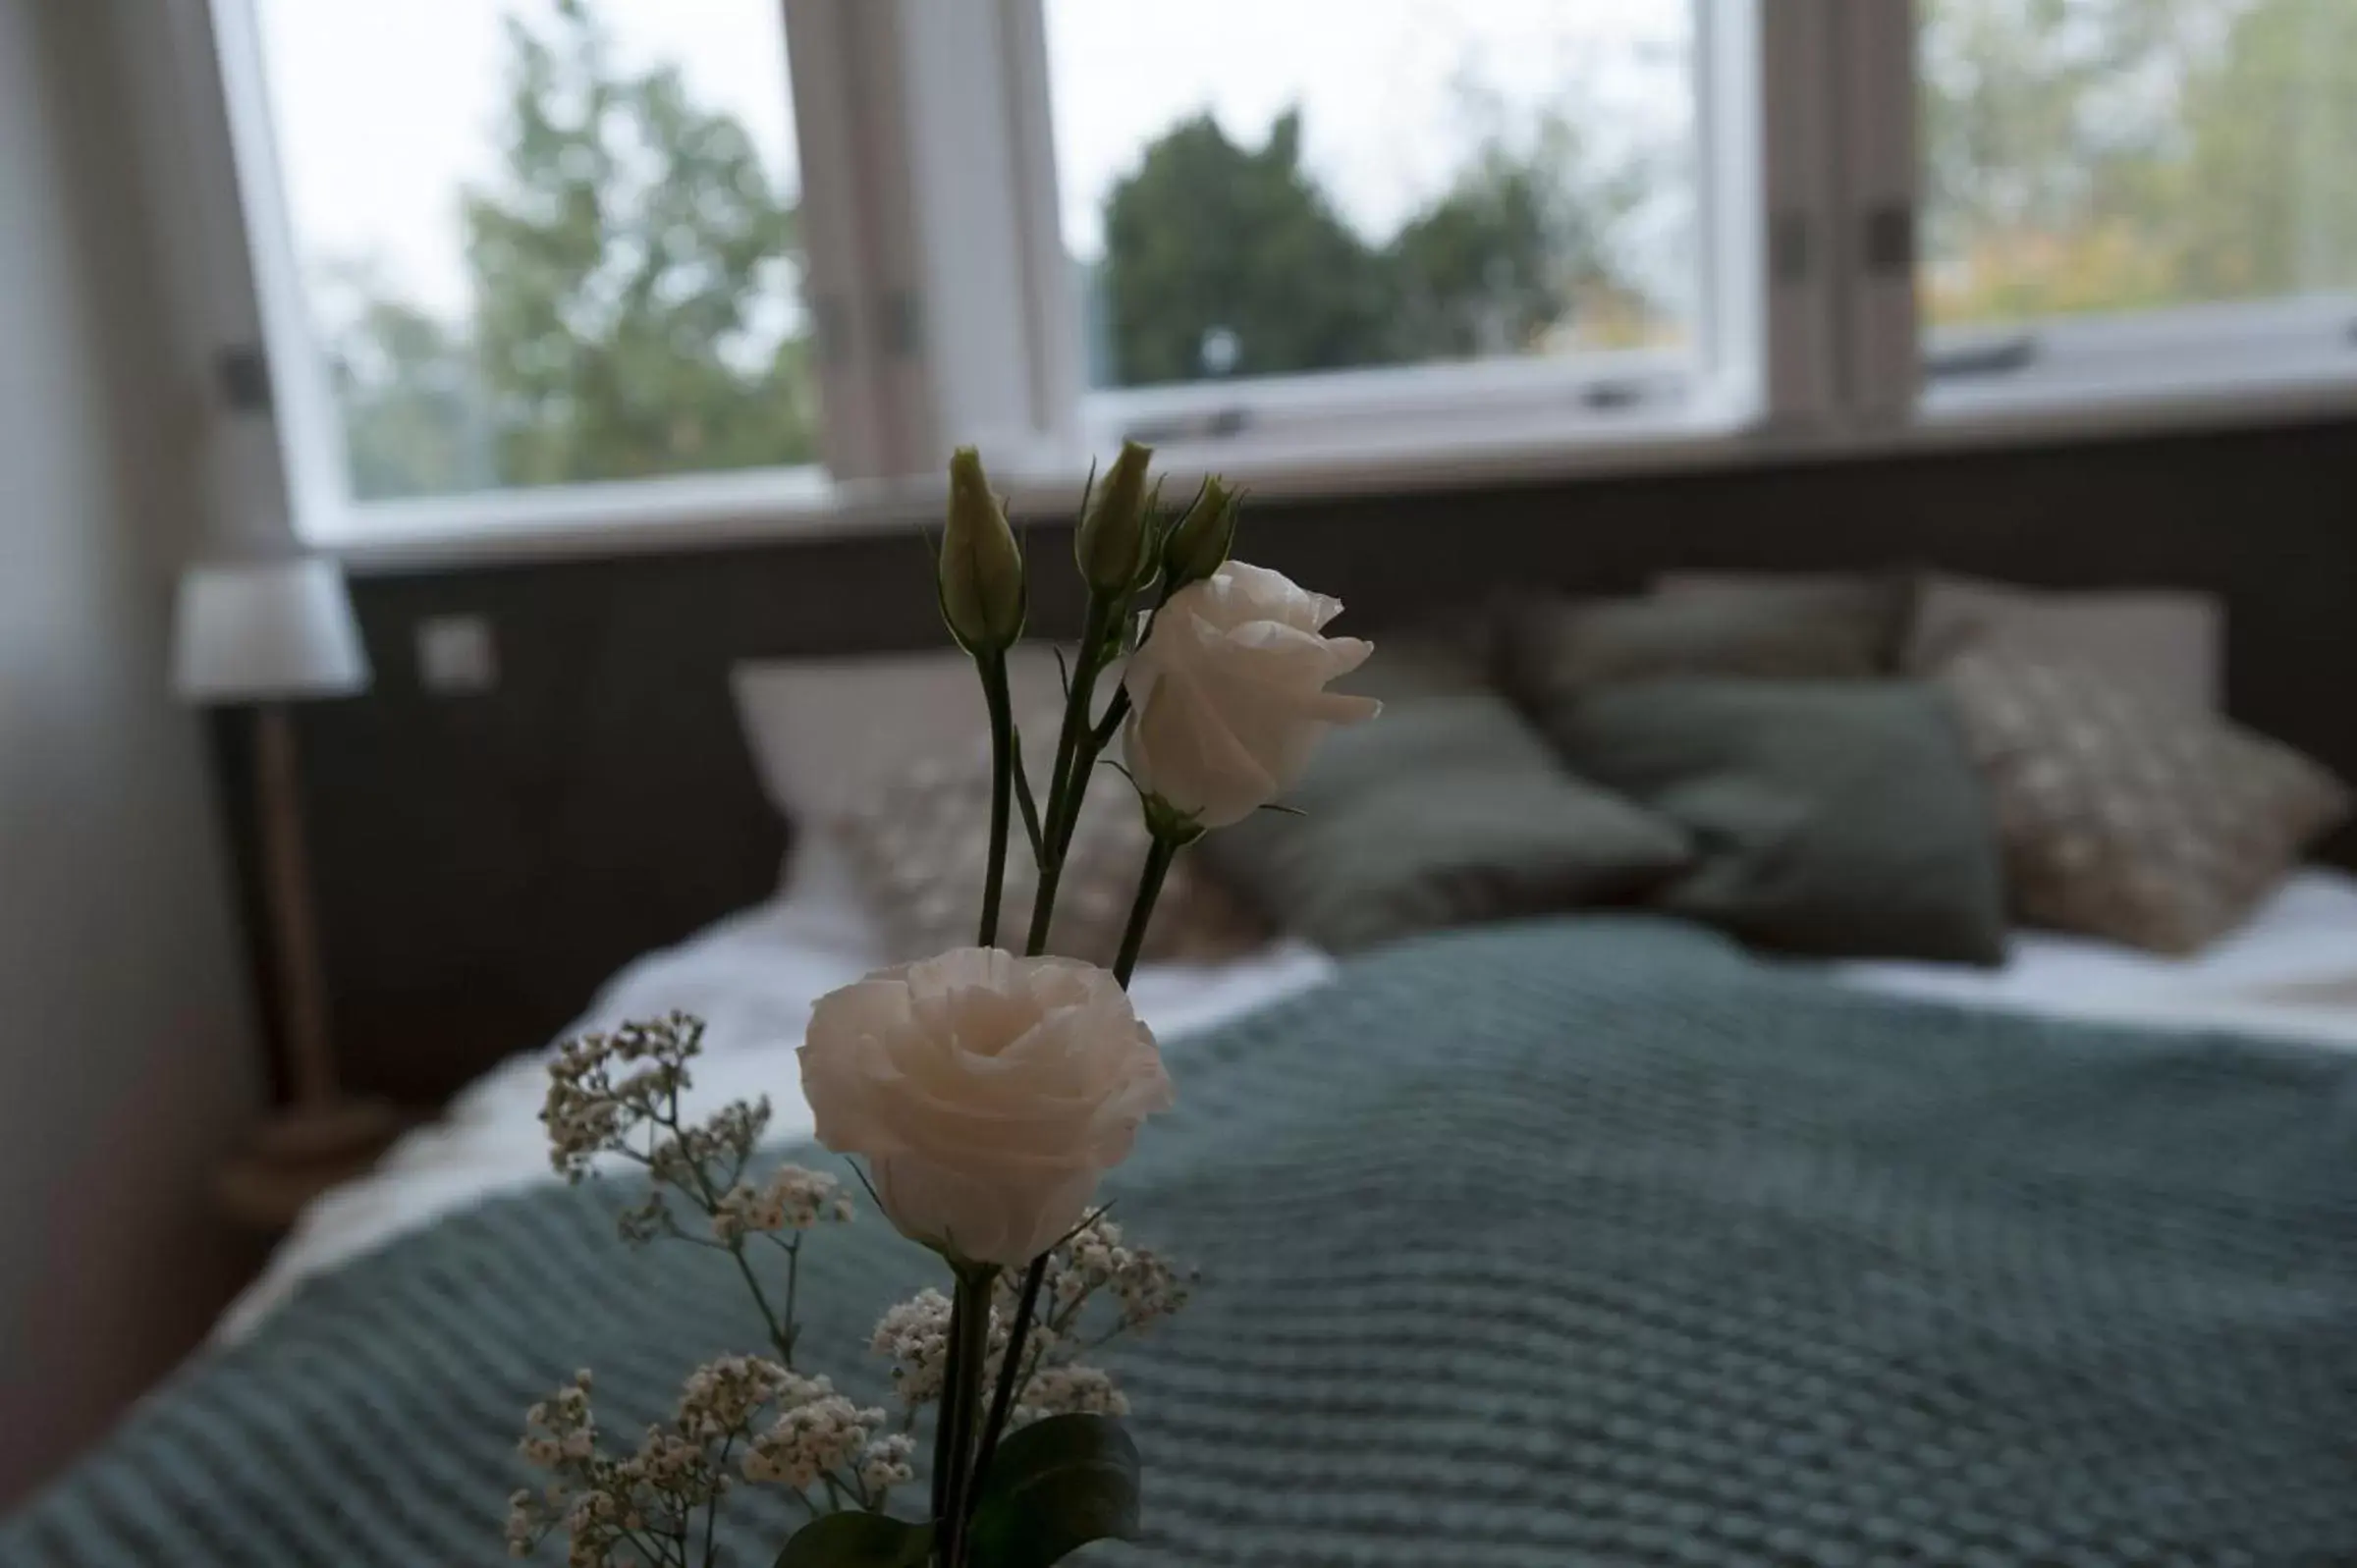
[752,979]
[2291,972]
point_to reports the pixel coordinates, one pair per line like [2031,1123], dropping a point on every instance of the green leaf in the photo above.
[857,1540]
[1053,1488]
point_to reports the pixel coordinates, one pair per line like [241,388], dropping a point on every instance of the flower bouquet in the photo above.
[986,1090]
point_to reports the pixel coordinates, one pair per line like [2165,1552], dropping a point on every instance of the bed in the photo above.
[2291,973]
[1613,1244]
[1531,1237]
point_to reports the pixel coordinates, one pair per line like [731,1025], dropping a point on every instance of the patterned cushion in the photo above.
[2168,643]
[2125,818]
[920,844]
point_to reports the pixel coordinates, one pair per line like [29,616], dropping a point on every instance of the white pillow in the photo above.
[823,731]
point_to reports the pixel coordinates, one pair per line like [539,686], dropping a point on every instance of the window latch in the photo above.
[1789,249]
[1887,237]
[1216,424]
[1612,397]
[243,373]
[902,327]
[2001,355]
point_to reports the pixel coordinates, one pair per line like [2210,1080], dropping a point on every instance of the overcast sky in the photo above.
[1380,83]
[384,108]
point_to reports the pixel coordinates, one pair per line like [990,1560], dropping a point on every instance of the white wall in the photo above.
[127,1064]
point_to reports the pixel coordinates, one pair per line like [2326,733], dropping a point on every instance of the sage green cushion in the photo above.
[1559,649]
[1833,818]
[1441,811]
[1879,606]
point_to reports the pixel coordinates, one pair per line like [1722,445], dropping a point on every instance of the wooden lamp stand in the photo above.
[321,1123]
[260,632]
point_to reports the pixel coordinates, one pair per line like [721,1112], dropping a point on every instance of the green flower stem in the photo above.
[1119,708]
[1002,1398]
[719,1466]
[1141,911]
[953,1472]
[944,1421]
[1164,850]
[1078,691]
[793,1280]
[781,1331]
[1111,725]
[1025,804]
[993,669]
[1074,758]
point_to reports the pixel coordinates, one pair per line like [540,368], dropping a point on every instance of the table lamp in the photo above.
[264,633]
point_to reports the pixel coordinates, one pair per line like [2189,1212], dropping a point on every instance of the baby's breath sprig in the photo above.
[604,1087]
[1040,1286]
[657,1502]
[618,1095]
[1091,1265]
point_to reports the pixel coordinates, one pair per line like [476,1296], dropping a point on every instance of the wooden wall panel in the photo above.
[484,861]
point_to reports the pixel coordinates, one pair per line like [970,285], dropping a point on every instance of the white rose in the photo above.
[987,1092]
[1228,693]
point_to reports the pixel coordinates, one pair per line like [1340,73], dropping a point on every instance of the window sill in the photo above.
[2195,367]
[1432,450]
[630,517]
[712,512]
[1436,453]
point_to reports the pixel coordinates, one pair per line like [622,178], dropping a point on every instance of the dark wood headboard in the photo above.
[484,861]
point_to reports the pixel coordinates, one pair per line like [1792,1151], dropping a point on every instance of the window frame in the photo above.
[2281,349]
[945,312]
[839,134]
[2218,362]
[1589,392]
[1314,405]
[300,402]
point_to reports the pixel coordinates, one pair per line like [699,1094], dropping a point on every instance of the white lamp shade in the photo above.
[265,631]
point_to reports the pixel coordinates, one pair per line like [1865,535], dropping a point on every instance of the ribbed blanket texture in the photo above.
[1578,1242]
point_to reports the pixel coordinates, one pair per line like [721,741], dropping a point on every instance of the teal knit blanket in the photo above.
[1578,1242]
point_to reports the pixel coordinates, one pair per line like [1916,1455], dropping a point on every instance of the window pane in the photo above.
[2107,155]
[1258,188]
[546,242]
